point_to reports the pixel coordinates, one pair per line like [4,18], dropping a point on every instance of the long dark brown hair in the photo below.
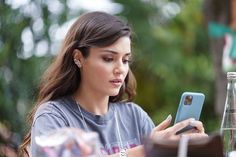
[62,78]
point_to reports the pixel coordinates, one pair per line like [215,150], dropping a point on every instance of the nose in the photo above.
[117,71]
[120,68]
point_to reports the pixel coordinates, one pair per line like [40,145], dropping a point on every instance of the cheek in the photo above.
[101,70]
[102,73]
[127,70]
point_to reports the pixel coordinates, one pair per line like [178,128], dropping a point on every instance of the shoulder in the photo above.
[56,107]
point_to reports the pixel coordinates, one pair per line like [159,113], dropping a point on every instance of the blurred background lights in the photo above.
[28,43]
[95,5]
[171,9]
[17,3]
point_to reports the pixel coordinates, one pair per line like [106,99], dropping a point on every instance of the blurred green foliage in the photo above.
[172,56]
[170,47]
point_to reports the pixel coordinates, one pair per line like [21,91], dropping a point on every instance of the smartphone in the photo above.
[190,106]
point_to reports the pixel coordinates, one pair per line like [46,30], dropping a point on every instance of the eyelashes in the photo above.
[128,61]
[111,59]
[107,59]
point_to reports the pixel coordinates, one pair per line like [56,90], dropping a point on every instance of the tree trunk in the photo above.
[216,47]
[218,11]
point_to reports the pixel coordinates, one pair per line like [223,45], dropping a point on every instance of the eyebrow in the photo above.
[115,52]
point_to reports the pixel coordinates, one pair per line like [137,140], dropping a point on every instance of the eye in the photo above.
[127,60]
[108,59]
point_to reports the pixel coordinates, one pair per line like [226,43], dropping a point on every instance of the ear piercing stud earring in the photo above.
[77,62]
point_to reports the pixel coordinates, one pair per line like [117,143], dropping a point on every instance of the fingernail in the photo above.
[169,117]
[192,122]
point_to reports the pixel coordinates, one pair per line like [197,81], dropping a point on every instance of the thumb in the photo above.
[163,125]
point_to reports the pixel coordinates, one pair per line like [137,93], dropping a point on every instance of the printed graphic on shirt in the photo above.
[115,147]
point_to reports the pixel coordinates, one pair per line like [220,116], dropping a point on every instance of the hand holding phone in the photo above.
[190,106]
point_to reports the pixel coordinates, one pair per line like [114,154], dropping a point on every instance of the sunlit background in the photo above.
[174,52]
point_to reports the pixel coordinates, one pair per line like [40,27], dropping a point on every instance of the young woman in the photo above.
[90,86]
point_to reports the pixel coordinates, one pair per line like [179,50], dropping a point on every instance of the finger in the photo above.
[181,125]
[197,135]
[163,125]
[198,125]
[85,148]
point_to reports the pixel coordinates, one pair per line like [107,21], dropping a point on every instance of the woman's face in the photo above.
[104,70]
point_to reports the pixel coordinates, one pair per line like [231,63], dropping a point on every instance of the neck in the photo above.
[92,103]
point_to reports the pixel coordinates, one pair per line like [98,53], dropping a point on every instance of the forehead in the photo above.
[121,46]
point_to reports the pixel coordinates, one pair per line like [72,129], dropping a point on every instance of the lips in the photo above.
[116,82]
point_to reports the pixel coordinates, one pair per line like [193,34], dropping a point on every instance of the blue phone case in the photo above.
[190,110]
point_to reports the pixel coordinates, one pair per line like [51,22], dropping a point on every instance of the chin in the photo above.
[114,93]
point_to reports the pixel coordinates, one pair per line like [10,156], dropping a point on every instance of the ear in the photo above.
[77,55]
